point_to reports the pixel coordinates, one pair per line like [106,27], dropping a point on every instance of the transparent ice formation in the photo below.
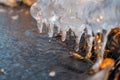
[37,12]
[96,16]
[103,17]
[102,75]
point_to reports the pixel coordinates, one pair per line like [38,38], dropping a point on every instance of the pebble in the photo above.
[2,71]
[52,73]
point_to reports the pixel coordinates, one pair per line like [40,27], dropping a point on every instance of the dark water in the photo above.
[27,55]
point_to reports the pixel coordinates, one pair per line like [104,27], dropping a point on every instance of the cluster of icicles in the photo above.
[94,16]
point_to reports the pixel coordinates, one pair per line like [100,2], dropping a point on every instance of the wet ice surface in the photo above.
[26,54]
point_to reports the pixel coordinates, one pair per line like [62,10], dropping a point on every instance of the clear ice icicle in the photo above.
[36,11]
[77,41]
[37,14]
[64,33]
[51,30]
[89,41]
[95,67]
[78,34]
[105,37]
[40,26]
[102,75]
[52,21]
[64,27]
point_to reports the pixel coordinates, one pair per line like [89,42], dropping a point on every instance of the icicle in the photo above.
[51,30]
[105,38]
[58,29]
[90,45]
[57,23]
[102,75]
[40,26]
[105,66]
[89,41]
[78,34]
[64,33]
[98,44]
[35,11]
[52,21]
[77,41]
[95,67]
[37,15]
[64,26]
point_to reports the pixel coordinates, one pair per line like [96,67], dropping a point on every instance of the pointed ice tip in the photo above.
[76,49]
[102,75]
[50,35]
[40,26]
[40,31]
[63,39]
